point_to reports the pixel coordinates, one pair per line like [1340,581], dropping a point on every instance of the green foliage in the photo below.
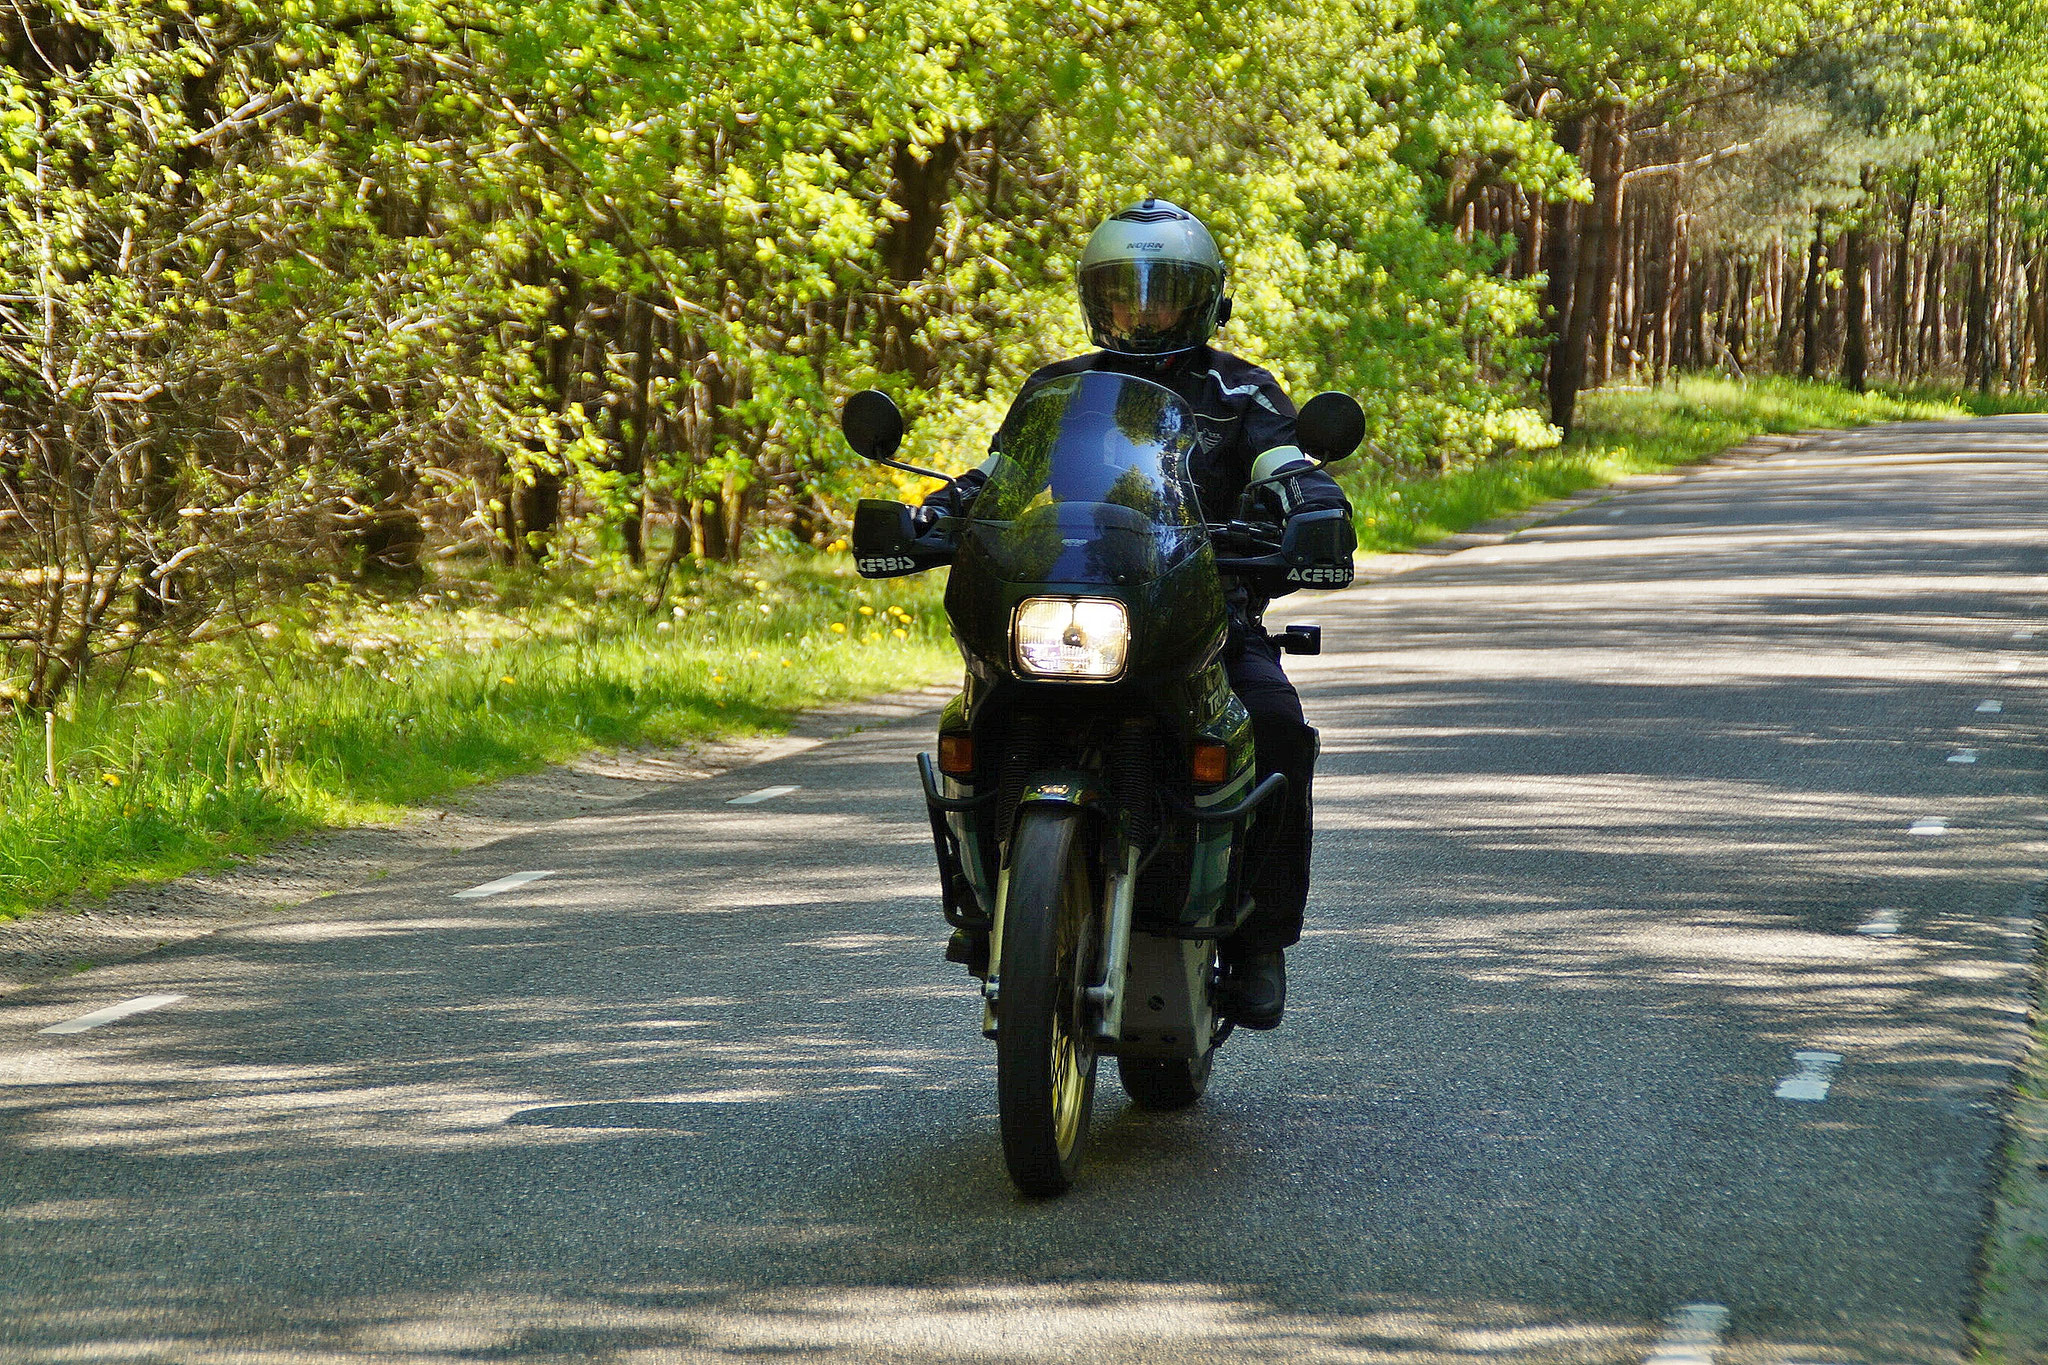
[341,281]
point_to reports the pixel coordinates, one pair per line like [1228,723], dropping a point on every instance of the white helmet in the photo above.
[1152,282]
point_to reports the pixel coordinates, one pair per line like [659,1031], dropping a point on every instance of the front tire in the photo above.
[1165,1083]
[1045,1053]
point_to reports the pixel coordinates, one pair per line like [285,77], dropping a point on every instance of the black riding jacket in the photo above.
[1240,414]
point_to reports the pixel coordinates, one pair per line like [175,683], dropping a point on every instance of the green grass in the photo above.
[2011,1326]
[355,708]
[1625,433]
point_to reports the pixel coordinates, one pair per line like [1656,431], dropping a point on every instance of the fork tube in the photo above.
[1108,997]
[992,985]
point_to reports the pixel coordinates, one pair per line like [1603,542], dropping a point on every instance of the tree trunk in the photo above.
[1927,355]
[636,419]
[1902,279]
[1531,245]
[1610,199]
[540,493]
[2037,299]
[1667,280]
[1974,311]
[1560,262]
[1790,286]
[1737,327]
[923,184]
[1809,304]
[1593,285]
[1856,315]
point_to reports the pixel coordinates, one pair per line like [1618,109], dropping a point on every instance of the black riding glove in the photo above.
[1295,486]
[951,501]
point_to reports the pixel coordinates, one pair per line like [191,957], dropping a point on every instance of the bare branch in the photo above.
[1698,163]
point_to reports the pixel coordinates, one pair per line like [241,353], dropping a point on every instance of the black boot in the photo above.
[1255,989]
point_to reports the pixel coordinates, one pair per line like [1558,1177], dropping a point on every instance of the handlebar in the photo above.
[1241,547]
[1244,546]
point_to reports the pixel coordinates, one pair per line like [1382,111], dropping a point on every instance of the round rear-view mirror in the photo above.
[1330,426]
[873,424]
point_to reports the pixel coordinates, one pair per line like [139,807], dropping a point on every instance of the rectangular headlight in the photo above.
[1071,637]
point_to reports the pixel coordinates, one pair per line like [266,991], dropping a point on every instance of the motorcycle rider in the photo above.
[1152,293]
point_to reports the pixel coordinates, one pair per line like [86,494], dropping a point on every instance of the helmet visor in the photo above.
[1150,307]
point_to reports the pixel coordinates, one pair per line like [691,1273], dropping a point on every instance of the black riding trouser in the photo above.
[1279,849]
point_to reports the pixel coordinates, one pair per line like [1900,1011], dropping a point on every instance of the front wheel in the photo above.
[1045,1055]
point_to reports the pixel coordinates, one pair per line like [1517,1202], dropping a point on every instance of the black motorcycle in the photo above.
[1094,794]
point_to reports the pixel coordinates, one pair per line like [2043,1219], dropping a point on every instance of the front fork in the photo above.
[1173,975]
[1105,997]
[1120,894]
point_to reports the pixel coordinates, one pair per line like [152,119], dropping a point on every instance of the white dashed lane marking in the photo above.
[1963,756]
[765,794]
[1810,1082]
[1932,824]
[113,1012]
[1990,704]
[513,882]
[1692,1337]
[2023,633]
[1881,924]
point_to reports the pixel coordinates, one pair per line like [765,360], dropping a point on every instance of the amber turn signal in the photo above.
[956,755]
[1211,765]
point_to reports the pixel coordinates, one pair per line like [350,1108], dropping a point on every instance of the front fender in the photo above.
[1080,790]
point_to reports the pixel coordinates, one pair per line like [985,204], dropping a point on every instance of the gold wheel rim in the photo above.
[1073,1055]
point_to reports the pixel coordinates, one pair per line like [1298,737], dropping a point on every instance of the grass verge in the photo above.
[2011,1324]
[354,708]
[1625,433]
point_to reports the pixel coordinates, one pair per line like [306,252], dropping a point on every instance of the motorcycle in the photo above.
[1094,791]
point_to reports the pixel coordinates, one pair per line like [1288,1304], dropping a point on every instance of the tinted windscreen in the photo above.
[1090,484]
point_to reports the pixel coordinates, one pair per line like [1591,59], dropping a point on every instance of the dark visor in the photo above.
[1150,307]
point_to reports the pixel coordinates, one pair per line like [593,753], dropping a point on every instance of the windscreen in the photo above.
[1090,484]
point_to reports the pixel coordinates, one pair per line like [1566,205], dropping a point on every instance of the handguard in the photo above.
[1315,552]
[1317,548]
[886,543]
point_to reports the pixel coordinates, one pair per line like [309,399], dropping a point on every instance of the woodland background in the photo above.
[319,290]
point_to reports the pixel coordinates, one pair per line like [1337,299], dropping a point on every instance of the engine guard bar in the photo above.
[937,800]
[956,896]
[1274,785]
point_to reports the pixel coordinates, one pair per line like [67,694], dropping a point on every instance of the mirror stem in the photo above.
[913,469]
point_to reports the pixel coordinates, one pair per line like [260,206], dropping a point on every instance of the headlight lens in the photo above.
[1072,637]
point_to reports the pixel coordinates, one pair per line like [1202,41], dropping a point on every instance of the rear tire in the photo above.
[1045,1053]
[1165,1083]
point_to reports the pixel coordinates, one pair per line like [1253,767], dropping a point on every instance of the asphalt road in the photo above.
[1615,818]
